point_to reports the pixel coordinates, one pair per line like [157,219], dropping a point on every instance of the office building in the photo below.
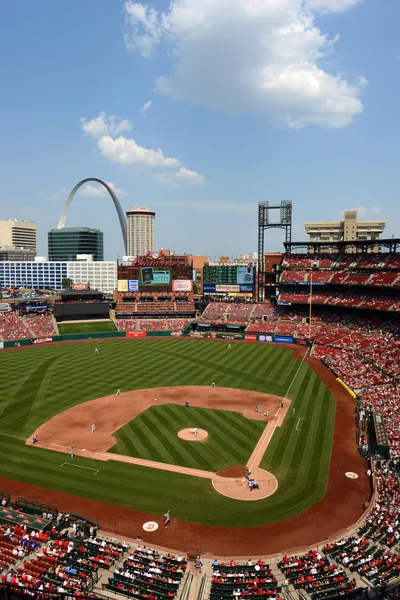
[348,230]
[100,275]
[20,234]
[66,243]
[14,253]
[140,221]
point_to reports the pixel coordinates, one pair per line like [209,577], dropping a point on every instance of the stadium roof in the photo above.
[391,245]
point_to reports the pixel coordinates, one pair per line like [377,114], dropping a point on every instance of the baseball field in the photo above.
[39,383]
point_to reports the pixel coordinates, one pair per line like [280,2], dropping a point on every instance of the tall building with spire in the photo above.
[140,221]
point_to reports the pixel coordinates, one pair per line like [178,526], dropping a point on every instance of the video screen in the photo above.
[152,276]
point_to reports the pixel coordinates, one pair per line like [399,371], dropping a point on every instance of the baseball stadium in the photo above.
[172,445]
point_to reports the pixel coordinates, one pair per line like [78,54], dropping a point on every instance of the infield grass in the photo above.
[40,382]
[86,327]
[231,437]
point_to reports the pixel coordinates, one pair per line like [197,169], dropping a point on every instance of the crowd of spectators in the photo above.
[152,324]
[232,580]
[147,573]
[318,575]
[12,327]
[41,326]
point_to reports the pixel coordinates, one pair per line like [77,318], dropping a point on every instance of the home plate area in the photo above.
[232,482]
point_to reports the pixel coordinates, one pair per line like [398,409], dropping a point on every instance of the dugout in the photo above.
[381,440]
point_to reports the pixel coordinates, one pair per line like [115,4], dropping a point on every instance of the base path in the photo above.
[338,510]
[72,428]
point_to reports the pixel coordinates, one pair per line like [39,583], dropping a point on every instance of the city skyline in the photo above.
[314,120]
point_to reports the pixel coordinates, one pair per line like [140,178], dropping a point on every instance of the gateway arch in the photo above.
[121,215]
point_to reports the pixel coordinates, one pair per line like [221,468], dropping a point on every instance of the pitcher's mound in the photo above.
[187,434]
[232,482]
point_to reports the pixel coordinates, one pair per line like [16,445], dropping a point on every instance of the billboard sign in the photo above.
[227,288]
[133,285]
[284,339]
[248,336]
[135,334]
[264,338]
[209,288]
[246,288]
[33,307]
[122,285]
[245,275]
[182,285]
[153,276]
[79,287]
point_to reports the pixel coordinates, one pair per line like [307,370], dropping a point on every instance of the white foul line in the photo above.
[17,437]
[80,467]
[295,375]
[298,423]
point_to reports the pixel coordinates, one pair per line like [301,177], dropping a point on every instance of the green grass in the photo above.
[41,382]
[153,435]
[87,327]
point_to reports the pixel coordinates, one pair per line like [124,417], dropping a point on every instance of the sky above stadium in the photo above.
[200,109]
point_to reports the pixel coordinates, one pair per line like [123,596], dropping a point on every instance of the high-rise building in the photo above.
[68,242]
[19,234]
[348,230]
[140,230]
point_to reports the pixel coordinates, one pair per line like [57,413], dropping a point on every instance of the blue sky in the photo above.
[243,102]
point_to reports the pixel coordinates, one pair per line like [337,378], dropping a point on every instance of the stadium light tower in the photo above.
[268,219]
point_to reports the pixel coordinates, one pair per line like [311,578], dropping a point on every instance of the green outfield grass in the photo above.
[41,382]
[86,327]
[153,435]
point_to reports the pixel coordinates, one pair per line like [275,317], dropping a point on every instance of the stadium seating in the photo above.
[13,327]
[147,571]
[321,577]
[137,324]
[232,580]
[41,326]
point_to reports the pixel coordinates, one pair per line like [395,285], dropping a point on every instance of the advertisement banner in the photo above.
[182,285]
[153,276]
[133,285]
[245,275]
[264,338]
[246,288]
[227,288]
[122,285]
[135,334]
[247,336]
[43,340]
[33,307]
[79,287]
[283,339]
[1,345]
[209,288]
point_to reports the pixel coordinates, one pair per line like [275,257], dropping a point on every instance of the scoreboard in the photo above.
[222,279]
[220,275]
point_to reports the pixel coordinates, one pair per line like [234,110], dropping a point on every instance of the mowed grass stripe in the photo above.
[77,375]
[181,454]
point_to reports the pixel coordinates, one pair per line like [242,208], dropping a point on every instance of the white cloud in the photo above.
[99,191]
[247,57]
[332,5]
[181,176]
[126,151]
[362,211]
[143,30]
[146,106]
[375,210]
[105,125]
